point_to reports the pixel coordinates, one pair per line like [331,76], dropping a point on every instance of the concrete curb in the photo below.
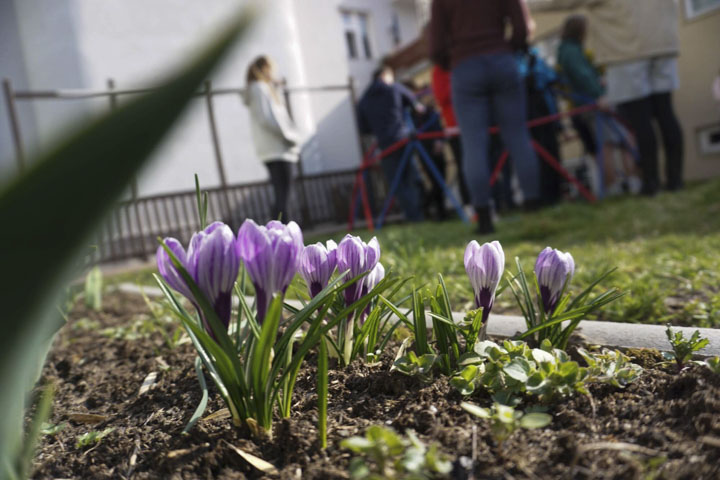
[609,334]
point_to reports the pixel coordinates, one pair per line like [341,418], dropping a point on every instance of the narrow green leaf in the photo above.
[200,410]
[71,188]
[322,381]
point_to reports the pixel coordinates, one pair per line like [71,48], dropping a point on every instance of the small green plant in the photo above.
[92,437]
[515,369]
[683,348]
[93,289]
[713,364]
[414,366]
[446,343]
[549,312]
[505,420]
[384,454]
[610,366]
[52,430]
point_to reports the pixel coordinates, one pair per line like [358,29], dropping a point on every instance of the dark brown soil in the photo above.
[670,420]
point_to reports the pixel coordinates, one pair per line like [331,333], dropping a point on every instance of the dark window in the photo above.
[357,35]
[351,44]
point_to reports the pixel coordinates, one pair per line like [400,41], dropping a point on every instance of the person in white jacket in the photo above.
[275,136]
[637,42]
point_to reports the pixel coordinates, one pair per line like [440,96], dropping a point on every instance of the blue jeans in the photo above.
[408,191]
[486,86]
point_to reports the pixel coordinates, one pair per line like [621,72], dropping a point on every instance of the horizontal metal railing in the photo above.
[133,228]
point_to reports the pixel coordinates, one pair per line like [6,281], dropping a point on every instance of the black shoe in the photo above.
[484,222]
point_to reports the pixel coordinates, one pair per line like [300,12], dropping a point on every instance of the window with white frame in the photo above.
[356,26]
[695,8]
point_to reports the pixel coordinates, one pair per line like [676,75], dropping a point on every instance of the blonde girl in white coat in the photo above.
[274,133]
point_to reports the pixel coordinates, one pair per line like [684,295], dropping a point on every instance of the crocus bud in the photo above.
[553,269]
[317,264]
[271,254]
[214,264]
[356,257]
[370,282]
[373,278]
[484,265]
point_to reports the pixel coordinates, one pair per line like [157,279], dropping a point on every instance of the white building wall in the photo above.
[82,43]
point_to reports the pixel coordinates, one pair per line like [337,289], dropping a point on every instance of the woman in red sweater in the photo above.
[443,98]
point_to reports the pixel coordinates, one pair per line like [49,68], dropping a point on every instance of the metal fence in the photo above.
[135,224]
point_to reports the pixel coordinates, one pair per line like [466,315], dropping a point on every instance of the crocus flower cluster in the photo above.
[484,265]
[317,264]
[211,261]
[271,255]
[554,270]
[357,257]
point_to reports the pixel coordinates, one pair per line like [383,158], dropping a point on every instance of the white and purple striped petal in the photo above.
[317,264]
[215,264]
[212,262]
[554,270]
[271,254]
[167,269]
[356,257]
[484,266]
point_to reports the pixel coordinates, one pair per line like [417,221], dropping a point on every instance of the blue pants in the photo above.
[408,191]
[486,86]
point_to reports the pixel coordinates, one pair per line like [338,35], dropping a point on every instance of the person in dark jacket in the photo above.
[381,112]
[469,37]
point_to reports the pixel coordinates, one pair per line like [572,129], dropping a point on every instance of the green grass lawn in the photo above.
[666,250]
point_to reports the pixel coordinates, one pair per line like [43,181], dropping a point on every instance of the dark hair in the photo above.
[256,70]
[575,28]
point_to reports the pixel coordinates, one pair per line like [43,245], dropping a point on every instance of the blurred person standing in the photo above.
[586,86]
[274,133]
[468,37]
[381,112]
[637,42]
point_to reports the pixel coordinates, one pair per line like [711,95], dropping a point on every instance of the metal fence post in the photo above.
[304,208]
[225,197]
[14,123]
[133,185]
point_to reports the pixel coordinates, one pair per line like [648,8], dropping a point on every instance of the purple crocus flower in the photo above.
[373,278]
[271,254]
[317,264]
[370,282]
[356,257]
[211,261]
[484,265]
[553,269]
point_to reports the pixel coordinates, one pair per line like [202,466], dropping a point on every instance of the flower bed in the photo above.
[100,360]
[354,382]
